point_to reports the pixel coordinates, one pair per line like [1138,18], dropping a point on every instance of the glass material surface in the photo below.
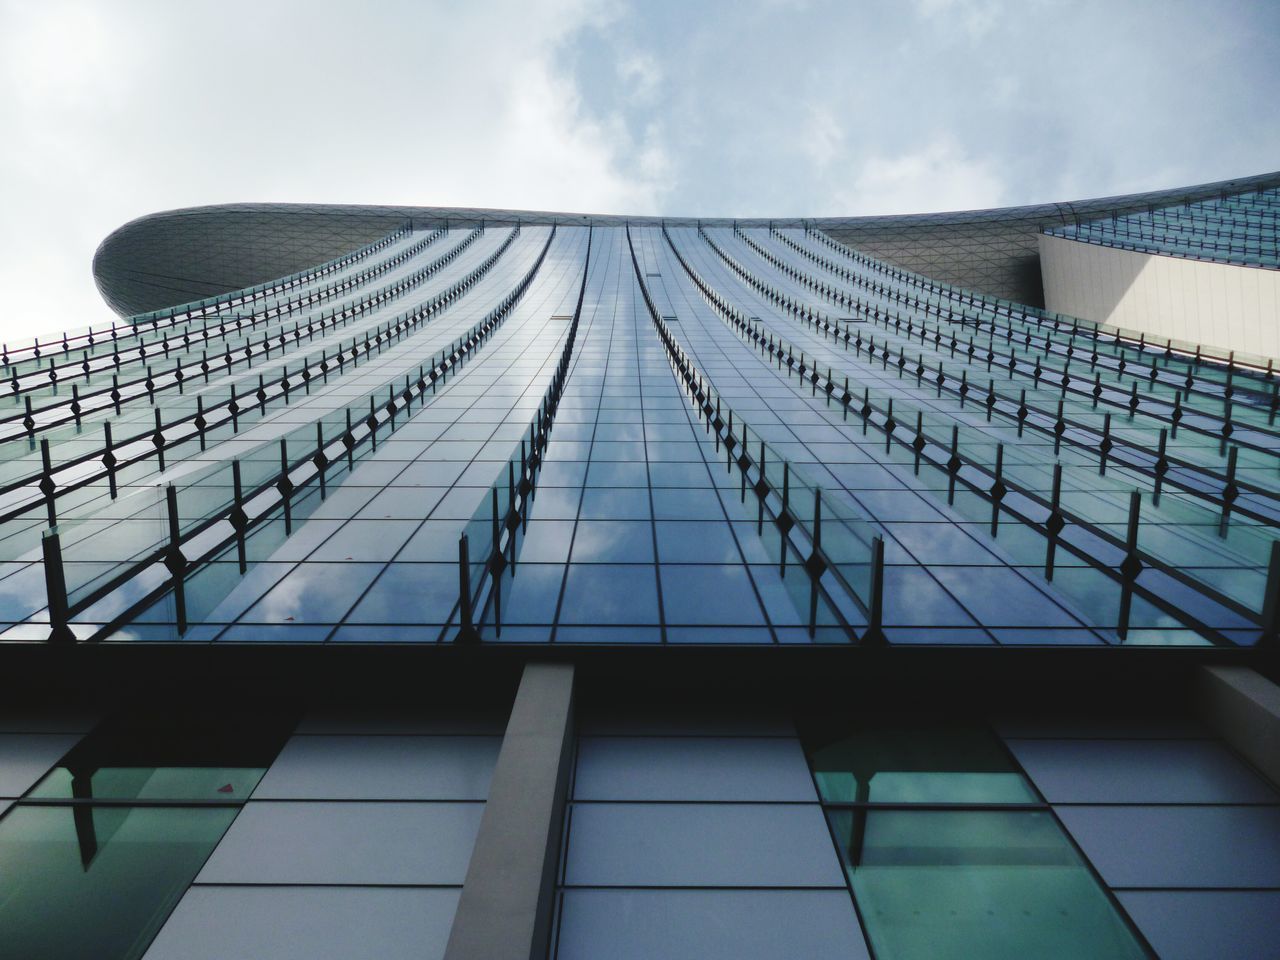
[80,881]
[1239,229]
[95,855]
[149,783]
[939,861]
[741,409]
[914,763]
[1002,885]
[175,755]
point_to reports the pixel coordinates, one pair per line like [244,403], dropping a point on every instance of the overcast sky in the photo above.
[112,110]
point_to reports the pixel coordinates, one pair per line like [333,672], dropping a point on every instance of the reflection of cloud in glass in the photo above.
[410,593]
[610,594]
[709,594]
[314,593]
[21,593]
[246,591]
[617,541]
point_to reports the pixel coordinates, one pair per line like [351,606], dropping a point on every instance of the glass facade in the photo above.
[1239,229]
[687,459]
[647,435]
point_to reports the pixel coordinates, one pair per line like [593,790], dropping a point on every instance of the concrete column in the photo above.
[1243,707]
[508,897]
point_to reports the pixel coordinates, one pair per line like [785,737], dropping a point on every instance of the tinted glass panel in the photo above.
[965,884]
[169,755]
[150,783]
[97,882]
[914,764]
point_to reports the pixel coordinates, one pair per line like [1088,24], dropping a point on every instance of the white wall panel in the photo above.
[1216,304]
[26,757]
[308,923]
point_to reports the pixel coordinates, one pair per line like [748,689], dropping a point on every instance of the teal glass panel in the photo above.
[150,783]
[914,763]
[955,885]
[168,756]
[81,881]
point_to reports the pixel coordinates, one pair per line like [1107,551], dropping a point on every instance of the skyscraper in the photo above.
[478,583]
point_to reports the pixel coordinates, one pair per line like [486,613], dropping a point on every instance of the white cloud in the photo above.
[641,75]
[772,107]
[976,17]
[940,176]
[56,56]
[822,139]
[115,112]
[652,160]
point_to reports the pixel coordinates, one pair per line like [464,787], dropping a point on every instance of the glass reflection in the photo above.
[171,756]
[914,763]
[1001,885]
[81,881]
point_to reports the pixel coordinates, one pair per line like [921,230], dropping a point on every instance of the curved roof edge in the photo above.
[179,256]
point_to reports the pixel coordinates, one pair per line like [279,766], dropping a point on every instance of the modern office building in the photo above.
[409,582]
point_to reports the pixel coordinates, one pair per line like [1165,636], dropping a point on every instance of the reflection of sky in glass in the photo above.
[612,541]
[610,594]
[709,595]
[21,591]
[633,479]
[314,593]
[410,593]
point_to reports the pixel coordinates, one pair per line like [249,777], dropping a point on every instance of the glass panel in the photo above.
[964,884]
[913,763]
[149,783]
[167,757]
[97,882]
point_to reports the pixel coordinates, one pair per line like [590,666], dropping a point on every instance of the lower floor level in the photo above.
[170,804]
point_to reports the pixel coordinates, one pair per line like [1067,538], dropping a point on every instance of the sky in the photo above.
[113,110]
